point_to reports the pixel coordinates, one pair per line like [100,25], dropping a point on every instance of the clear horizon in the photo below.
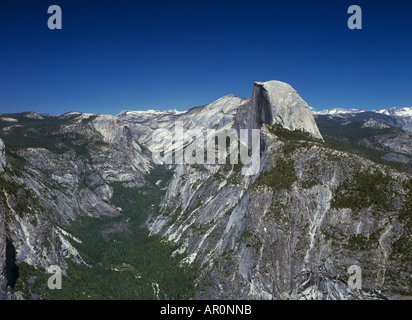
[133,55]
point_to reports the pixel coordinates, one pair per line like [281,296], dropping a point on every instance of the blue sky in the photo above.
[136,55]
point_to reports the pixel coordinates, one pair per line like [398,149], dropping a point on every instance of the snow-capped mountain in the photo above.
[396,111]
[337,111]
[381,135]
[400,117]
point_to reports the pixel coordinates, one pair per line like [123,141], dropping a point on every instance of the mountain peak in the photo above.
[275,85]
[278,102]
[396,111]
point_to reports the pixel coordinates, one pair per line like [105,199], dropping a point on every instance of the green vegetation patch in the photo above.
[362,190]
[21,199]
[405,213]
[279,177]
[290,135]
[361,242]
[313,173]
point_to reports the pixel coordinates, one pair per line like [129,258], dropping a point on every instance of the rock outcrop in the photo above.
[277,102]
[6,261]
[3,159]
[3,259]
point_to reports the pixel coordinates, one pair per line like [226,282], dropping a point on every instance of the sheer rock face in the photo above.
[6,259]
[276,102]
[3,235]
[3,160]
[3,261]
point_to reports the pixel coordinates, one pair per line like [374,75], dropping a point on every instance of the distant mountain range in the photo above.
[383,135]
[400,117]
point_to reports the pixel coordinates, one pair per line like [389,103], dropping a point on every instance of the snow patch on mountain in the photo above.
[7,119]
[337,111]
[396,111]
